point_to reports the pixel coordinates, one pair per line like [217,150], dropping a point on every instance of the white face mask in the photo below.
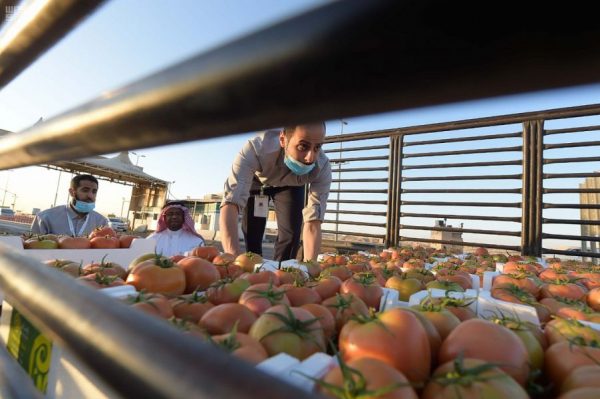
[297,167]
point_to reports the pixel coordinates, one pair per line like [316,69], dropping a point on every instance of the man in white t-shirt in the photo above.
[175,234]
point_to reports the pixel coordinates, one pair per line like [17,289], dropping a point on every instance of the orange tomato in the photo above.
[222,318]
[207,252]
[241,346]
[158,275]
[199,273]
[68,242]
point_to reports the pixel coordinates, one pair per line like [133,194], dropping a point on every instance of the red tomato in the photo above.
[241,346]
[158,275]
[593,299]
[327,286]
[283,329]
[265,276]
[471,379]
[564,357]
[324,316]
[104,242]
[365,377]
[226,290]
[191,307]
[199,273]
[125,240]
[222,318]
[260,297]
[68,242]
[582,377]
[103,232]
[345,306]
[207,252]
[484,340]
[364,286]
[98,280]
[154,304]
[299,296]
[379,337]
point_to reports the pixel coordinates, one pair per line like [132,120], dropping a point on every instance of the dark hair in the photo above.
[77,179]
[289,130]
[173,202]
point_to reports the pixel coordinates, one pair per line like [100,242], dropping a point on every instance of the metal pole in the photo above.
[5,188]
[337,205]
[57,186]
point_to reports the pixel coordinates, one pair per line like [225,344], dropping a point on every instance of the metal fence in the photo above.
[339,60]
[516,143]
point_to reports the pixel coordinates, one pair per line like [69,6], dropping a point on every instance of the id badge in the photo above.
[261,206]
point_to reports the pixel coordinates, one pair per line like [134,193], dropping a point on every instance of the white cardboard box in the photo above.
[488,307]
[417,297]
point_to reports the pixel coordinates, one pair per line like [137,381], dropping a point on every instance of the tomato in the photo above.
[379,337]
[260,297]
[99,280]
[248,261]
[104,242]
[226,290]
[229,270]
[512,293]
[40,243]
[458,277]
[484,340]
[221,319]
[265,276]
[191,307]
[222,259]
[154,304]
[360,378]
[66,266]
[435,341]
[158,275]
[142,258]
[562,289]
[102,231]
[364,286]
[327,286]
[559,330]
[284,329]
[290,275]
[125,240]
[593,299]
[299,296]
[522,281]
[443,320]
[241,346]
[324,316]
[206,252]
[199,273]
[421,274]
[444,285]
[472,379]
[533,346]
[105,268]
[343,307]
[188,327]
[341,272]
[405,286]
[68,242]
[564,357]
[582,377]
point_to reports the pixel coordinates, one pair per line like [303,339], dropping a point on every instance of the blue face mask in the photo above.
[297,167]
[84,207]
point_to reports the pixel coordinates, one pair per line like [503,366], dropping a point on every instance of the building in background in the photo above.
[455,236]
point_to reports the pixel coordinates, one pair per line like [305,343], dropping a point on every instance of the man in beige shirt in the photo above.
[278,163]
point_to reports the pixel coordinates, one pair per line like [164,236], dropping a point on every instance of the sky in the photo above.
[126,40]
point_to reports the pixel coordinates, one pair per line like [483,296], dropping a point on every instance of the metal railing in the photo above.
[339,60]
[527,191]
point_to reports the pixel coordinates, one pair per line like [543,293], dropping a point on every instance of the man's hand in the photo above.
[311,237]
[229,229]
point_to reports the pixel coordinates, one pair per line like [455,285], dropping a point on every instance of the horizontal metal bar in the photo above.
[572,145]
[366,148]
[482,204]
[15,383]
[579,129]
[359,180]
[548,161]
[463,152]
[462,190]
[466,217]
[36,28]
[571,206]
[571,190]
[462,243]
[480,177]
[353,233]
[461,230]
[572,221]
[359,159]
[570,175]
[464,139]
[344,170]
[462,165]
[558,113]
[571,253]
[343,212]
[355,223]
[365,202]
[115,339]
[382,191]
[571,237]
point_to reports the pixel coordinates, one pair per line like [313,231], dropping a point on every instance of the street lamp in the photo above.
[5,188]
[137,157]
[339,184]
[124,200]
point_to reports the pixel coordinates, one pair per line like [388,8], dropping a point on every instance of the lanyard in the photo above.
[87,217]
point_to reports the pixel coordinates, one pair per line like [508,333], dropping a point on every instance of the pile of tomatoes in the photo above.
[100,238]
[437,349]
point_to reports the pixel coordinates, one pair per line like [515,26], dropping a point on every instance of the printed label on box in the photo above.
[31,349]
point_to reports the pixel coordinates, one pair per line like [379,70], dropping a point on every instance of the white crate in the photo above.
[489,307]
[470,294]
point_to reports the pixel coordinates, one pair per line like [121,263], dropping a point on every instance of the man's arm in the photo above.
[228,223]
[311,238]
